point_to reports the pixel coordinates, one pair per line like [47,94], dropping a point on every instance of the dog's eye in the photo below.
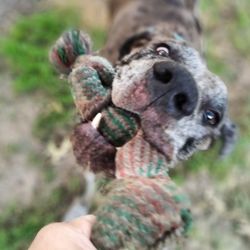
[162,51]
[211,117]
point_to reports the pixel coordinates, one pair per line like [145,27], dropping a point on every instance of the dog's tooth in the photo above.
[96,120]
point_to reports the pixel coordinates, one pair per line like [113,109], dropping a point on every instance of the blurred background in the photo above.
[39,179]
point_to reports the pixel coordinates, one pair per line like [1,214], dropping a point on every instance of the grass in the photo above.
[234,18]
[226,24]
[227,40]
[240,32]
[219,169]
[26,51]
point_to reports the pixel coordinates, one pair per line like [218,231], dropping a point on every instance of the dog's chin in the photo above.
[192,145]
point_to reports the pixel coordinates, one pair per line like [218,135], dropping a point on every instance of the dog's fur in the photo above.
[139,28]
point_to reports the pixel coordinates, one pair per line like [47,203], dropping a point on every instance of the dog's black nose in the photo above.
[179,87]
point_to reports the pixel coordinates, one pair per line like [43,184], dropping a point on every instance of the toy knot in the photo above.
[68,47]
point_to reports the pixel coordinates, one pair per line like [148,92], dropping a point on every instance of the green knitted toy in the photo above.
[142,208]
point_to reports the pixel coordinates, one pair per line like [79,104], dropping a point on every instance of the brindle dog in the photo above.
[157,45]
[162,79]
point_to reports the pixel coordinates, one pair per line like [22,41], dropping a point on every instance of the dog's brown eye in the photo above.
[211,117]
[162,51]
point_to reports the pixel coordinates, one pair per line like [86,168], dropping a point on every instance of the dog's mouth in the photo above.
[192,145]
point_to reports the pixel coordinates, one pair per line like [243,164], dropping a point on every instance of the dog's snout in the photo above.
[181,90]
[162,73]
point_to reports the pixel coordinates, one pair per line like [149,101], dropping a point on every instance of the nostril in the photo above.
[162,73]
[181,103]
[167,77]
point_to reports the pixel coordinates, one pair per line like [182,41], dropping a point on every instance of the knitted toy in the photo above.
[141,208]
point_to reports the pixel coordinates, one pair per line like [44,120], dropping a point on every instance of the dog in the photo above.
[164,90]
[161,73]
[158,42]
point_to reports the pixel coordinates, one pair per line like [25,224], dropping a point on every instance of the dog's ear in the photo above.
[228,136]
[193,5]
[135,41]
[115,5]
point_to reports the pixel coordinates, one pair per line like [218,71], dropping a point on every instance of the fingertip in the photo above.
[84,224]
[90,218]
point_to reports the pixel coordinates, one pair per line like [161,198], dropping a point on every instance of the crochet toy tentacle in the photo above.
[92,150]
[90,78]
[118,126]
[140,213]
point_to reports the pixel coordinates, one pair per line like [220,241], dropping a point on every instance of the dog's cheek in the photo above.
[139,98]
[134,99]
[153,123]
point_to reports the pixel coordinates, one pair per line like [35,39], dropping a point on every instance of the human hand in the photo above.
[73,235]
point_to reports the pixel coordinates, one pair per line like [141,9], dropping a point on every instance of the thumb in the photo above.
[84,224]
